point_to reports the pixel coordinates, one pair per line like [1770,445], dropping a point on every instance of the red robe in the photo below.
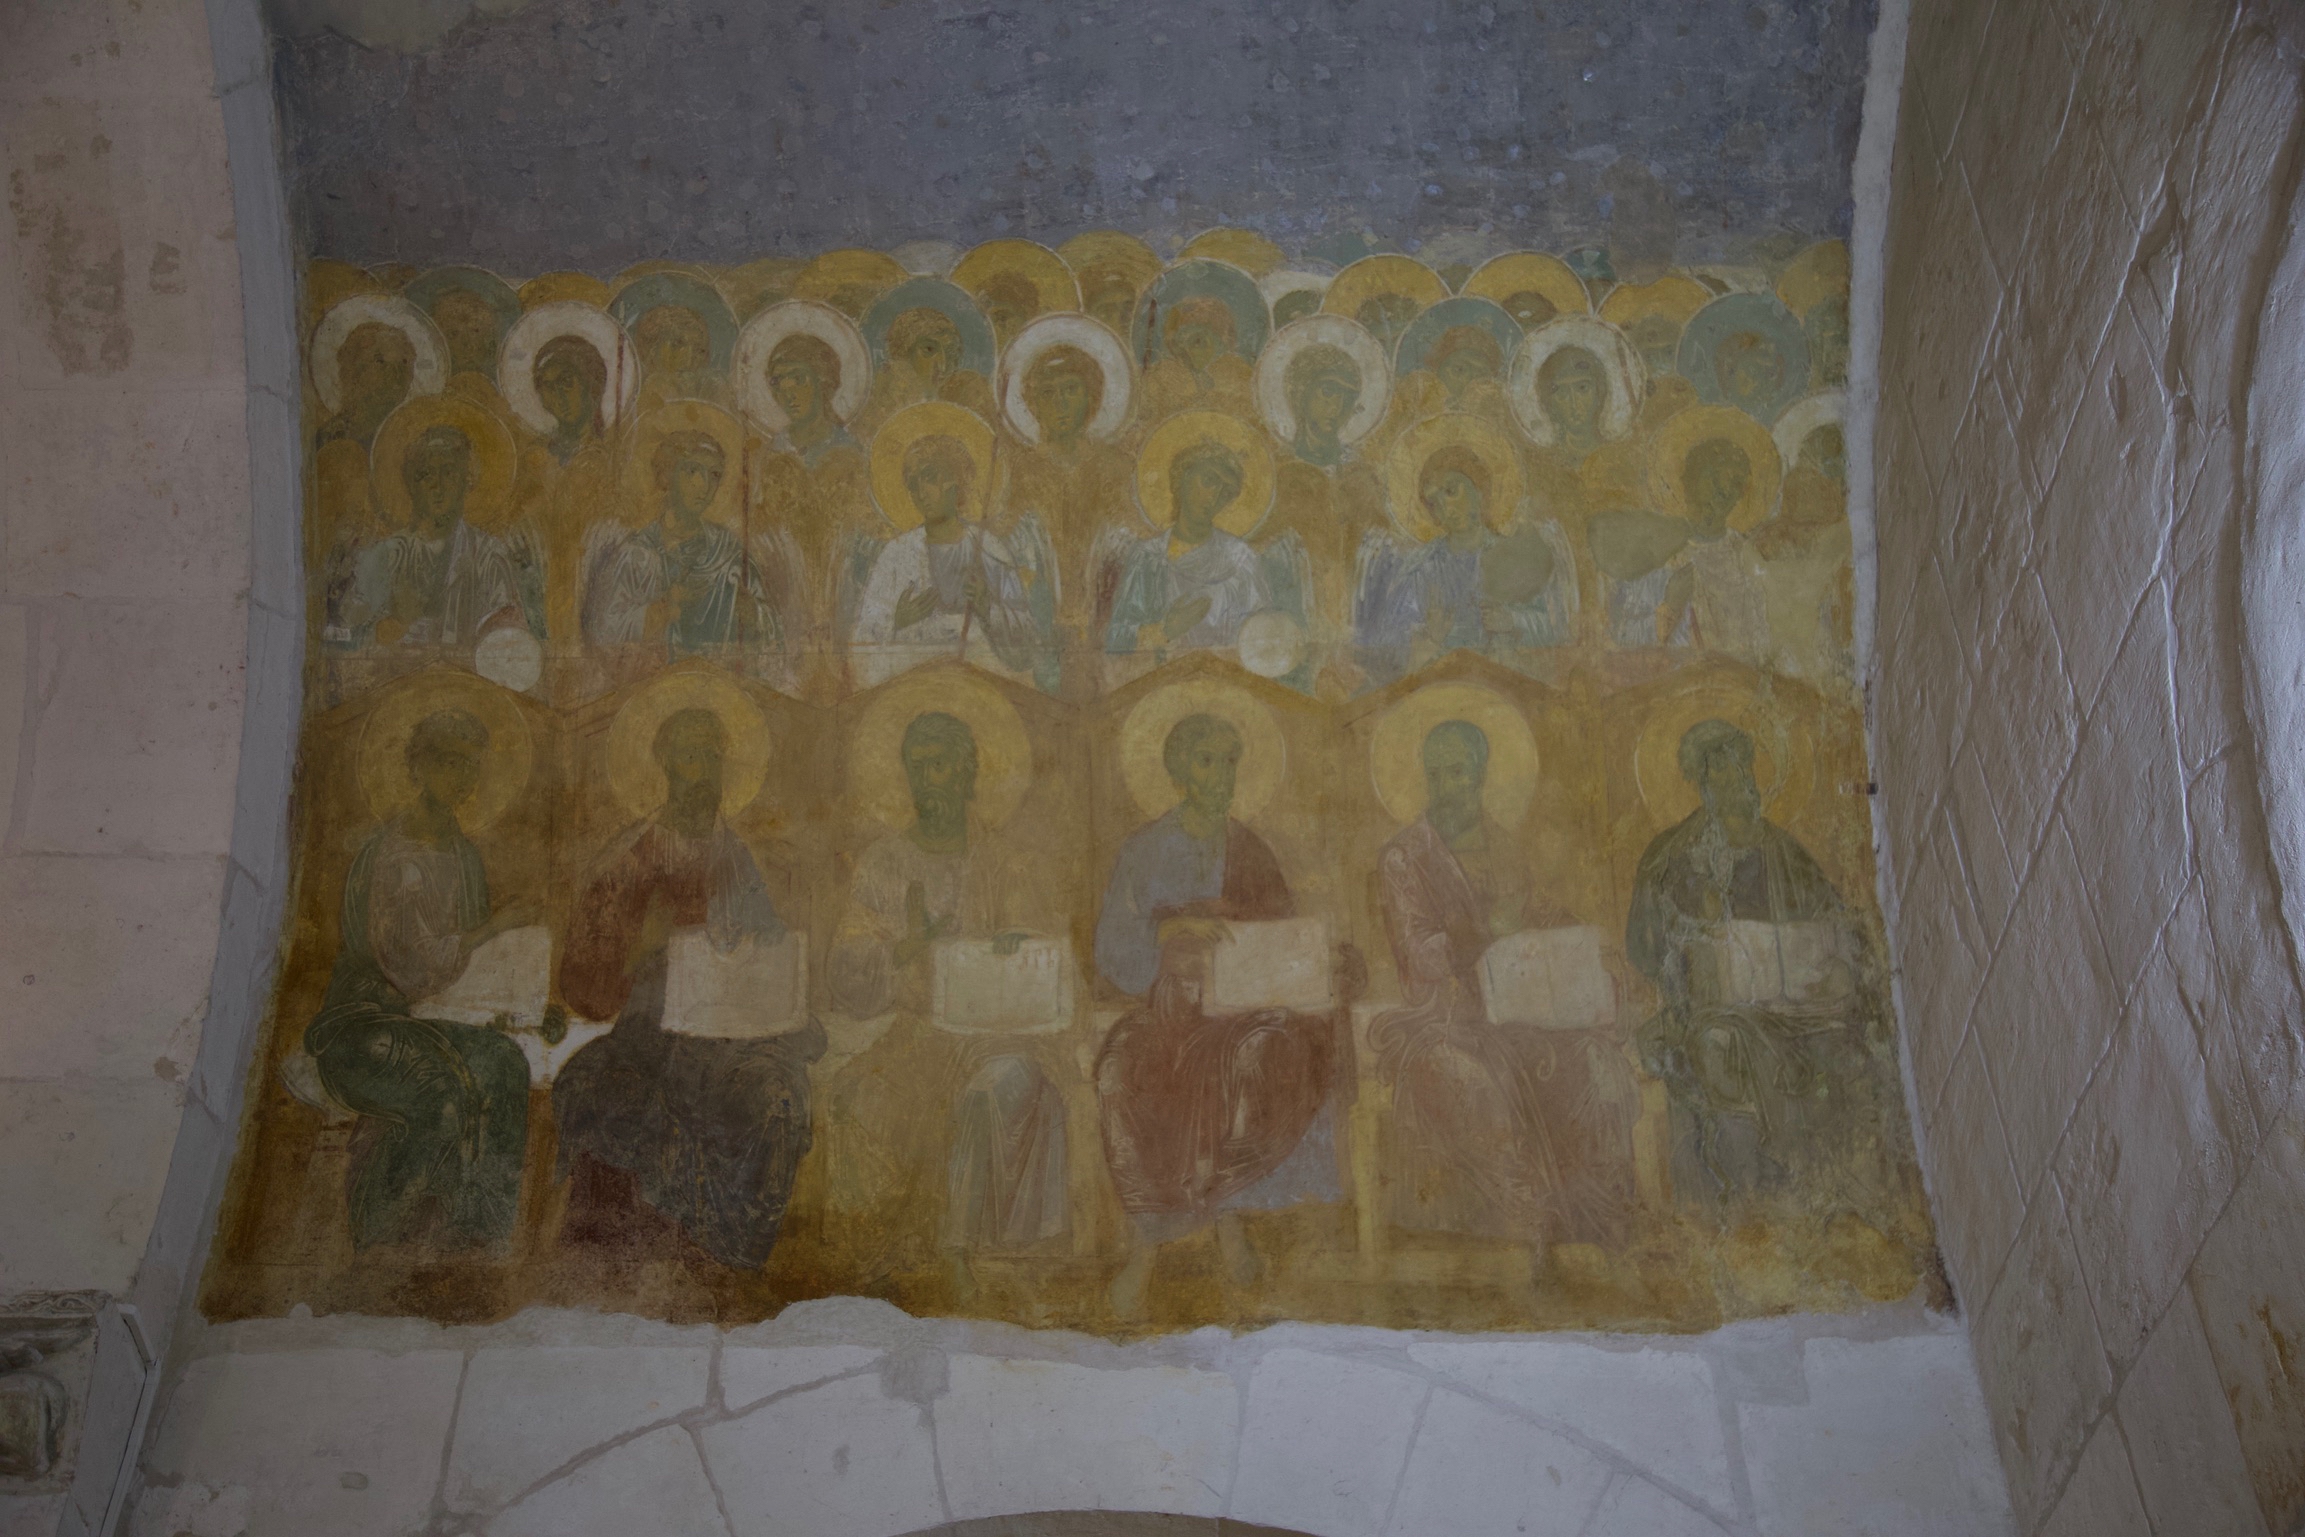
[1197,1107]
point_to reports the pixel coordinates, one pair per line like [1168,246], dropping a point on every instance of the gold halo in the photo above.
[1003,751]
[1684,430]
[1051,279]
[1817,274]
[1405,468]
[1242,248]
[1144,735]
[1396,751]
[1781,752]
[487,495]
[1673,296]
[556,287]
[1501,277]
[1388,274]
[931,418]
[836,274]
[637,478]
[383,760]
[1110,249]
[427,376]
[1180,432]
[633,775]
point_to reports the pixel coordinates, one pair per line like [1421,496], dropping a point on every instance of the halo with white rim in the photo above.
[1084,335]
[1620,365]
[546,324]
[1349,337]
[428,377]
[758,341]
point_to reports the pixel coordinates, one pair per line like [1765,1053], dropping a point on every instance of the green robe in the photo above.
[449,1101]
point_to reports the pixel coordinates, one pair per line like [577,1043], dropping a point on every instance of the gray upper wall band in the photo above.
[590,134]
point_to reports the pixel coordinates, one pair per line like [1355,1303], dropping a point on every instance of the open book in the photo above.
[1278,965]
[754,990]
[510,974]
[1548,979]
[1808,964]
[978,991]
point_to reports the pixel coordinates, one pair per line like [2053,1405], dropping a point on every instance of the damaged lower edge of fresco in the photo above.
[1084,788]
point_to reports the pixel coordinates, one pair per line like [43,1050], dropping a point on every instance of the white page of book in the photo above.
[510,974]
[1785,962]
[754,990]
[1549,979]
[1282,964]
[978,991]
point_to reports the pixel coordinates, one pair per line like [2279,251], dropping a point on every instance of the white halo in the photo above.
[546,324]
[1348,336]
[1803,417]
[430,375]
[1271,643]
[1620,364]
[1276,286]
[799,317]
[1089,336]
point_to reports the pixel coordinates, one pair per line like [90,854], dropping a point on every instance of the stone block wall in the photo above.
[2099,988]
[848,1419]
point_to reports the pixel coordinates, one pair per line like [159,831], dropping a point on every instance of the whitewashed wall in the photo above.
[2100,995]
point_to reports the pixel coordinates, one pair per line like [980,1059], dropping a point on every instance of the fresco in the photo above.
[1083,786]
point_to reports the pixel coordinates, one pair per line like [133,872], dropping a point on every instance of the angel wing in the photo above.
[854,570]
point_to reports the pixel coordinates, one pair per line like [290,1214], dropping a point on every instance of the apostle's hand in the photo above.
[1010,942]
[1194,931]
[921,928]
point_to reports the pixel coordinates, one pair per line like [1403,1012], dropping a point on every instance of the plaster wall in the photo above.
[2091,212]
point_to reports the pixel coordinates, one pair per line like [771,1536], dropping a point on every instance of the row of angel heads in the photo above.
[844,339]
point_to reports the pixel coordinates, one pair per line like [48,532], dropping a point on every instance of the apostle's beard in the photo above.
[939,807]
